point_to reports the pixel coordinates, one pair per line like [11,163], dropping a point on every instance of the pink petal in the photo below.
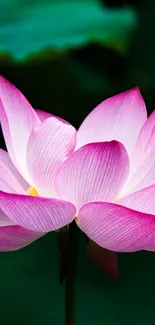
[15,237]
[142,200]
[105,259]
[49,145]
[117,228]
[17,120]
[144,174]
[10,179]
[4,220]
[95,172]
[114,119]
[37,213]
[44,115]
[142,141]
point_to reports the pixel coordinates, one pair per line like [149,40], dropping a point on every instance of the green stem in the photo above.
[70,289]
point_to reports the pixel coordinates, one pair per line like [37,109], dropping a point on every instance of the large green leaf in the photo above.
[27,27]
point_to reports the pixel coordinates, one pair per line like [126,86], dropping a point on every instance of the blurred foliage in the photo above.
[142,48]
[122,3]
[27,27]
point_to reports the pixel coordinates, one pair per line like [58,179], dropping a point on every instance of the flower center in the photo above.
[32,191]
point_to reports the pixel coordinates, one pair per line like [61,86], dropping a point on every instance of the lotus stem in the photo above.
[70,285]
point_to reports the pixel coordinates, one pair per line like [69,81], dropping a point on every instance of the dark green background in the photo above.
[31,293]
[70,85]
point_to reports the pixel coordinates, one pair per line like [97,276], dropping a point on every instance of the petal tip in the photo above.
[137,94]
[3,80]
[119,145]
[135,91]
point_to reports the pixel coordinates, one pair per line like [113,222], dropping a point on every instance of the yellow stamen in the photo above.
[32,191]
[76,219]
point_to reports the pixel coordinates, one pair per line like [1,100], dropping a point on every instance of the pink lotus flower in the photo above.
[107,182]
